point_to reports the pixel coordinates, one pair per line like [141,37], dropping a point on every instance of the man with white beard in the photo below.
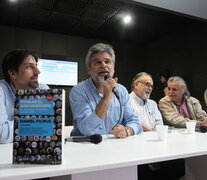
[147,110]
[150,116]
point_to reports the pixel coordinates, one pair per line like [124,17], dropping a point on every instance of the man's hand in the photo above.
[119,131]
[109,84]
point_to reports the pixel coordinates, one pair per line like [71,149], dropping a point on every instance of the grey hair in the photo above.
[138,77]
[182,83]
[97,48]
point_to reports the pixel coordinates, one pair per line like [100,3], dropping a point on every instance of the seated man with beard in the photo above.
[150,117]
[20,71]
[95,107]
[147,110]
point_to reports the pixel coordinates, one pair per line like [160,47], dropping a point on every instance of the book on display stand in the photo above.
[39,117]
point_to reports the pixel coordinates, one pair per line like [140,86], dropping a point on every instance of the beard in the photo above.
[98,79]
[101,79]
[145,96]
[33,85]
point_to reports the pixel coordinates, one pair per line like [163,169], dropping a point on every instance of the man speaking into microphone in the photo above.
[99,104]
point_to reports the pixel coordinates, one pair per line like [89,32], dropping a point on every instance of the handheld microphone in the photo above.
[114,90]
[96,138]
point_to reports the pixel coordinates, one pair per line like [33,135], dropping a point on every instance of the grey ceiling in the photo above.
[92,18]
[190,7]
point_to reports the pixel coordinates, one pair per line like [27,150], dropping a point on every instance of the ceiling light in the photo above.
[127,19]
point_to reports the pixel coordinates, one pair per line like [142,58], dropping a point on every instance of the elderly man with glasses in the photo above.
[150,116]
[147,110]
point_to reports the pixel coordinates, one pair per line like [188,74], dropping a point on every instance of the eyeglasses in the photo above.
[147,84]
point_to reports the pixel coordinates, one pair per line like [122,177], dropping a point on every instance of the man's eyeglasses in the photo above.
[147,84]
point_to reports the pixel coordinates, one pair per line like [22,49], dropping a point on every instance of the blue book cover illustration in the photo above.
[38,122]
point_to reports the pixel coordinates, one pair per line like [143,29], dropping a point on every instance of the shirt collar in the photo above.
[138,99]
[92,83]
[11,86]
[93,86]
[184,101]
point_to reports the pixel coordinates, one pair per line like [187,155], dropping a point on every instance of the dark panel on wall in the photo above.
[184,54]
[199,82]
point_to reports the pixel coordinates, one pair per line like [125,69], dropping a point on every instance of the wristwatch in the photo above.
[127,131]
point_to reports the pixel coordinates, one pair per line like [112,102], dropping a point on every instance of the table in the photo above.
[113,158]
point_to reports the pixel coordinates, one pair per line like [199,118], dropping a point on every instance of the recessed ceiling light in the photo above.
[127,19]
[13,0]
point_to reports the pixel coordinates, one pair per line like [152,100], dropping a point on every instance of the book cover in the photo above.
[38,126]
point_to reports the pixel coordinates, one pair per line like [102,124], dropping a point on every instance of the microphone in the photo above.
[203,129]
[96,138]
[114,90]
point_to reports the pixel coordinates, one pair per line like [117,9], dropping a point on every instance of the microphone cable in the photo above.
[119,113]
[116,95]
